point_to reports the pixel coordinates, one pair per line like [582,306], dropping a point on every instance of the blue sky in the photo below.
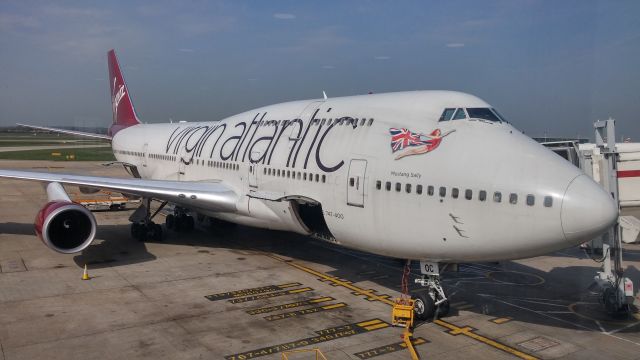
[549,66]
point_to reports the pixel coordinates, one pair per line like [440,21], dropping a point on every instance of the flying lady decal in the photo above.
[410,143]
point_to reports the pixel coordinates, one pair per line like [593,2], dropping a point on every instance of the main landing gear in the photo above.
[142,226]
[432,302]
[180,220]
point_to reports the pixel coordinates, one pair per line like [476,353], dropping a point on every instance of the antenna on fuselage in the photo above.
[324,94]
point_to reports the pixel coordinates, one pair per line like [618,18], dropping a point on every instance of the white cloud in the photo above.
[284,16]
[455,45]
[382,57]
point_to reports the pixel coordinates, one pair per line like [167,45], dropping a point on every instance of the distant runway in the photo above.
[53,147]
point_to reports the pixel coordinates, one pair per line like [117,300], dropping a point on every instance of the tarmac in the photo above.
[232,292]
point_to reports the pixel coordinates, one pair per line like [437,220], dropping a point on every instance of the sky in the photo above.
[550,67]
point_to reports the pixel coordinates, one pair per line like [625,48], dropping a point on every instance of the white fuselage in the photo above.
[282,156]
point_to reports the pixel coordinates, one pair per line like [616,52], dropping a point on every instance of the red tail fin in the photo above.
[124,114]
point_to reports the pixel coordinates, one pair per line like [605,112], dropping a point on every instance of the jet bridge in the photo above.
[616,291]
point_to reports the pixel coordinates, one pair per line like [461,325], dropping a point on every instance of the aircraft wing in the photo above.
[70,132]
[213,195]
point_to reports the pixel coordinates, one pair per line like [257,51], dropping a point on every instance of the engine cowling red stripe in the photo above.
[628,173]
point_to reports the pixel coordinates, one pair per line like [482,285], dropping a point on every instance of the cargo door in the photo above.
[356,182]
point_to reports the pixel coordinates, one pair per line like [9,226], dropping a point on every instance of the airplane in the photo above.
[435,176]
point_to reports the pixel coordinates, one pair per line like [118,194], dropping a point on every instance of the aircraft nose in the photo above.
[587,210]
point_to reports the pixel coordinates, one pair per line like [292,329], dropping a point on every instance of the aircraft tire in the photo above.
[189,223]
[443,309]
[170,221]
[424,306]
[155,232]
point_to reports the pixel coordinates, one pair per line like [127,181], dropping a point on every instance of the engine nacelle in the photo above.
[65,226]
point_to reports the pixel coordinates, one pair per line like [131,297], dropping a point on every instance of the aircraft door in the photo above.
[253,172]
[356,182]
[145,154]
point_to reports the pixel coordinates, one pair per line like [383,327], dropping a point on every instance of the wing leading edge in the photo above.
[213,196]
[70,132]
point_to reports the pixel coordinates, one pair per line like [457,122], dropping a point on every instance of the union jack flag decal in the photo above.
[415,143]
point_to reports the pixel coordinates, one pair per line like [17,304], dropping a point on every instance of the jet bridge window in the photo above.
[483,114]
[454,193]
[419,189]
[482,195]
[407,188]
[513,198]
[430,190]
[497,196]
[398,187]
[387,185]
[468,194]
[447,114]
[548,201]
[443,191]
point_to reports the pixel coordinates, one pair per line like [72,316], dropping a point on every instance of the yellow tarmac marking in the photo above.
[377,326]
[298,290]
[365,323]
[322,299]
[466,331]
[501,320]
[333,306]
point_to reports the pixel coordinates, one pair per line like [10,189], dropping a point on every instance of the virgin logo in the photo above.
[117,97]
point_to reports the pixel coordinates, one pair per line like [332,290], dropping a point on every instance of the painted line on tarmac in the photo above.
[501,320]
[324,335]
[386,349]
[302,312]
[264,310]
[268,295]
[371,294]
[251,291]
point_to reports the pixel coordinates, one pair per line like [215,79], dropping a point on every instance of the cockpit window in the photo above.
[447,114]
[483,114]
[499,115]
[460,114]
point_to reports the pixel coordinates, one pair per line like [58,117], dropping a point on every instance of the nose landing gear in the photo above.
[432,302]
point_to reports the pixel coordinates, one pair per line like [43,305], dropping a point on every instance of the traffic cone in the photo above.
[85,274]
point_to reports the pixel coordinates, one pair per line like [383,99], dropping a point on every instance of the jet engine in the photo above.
[63,225]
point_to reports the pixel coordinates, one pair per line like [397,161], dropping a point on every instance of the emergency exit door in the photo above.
[355,182]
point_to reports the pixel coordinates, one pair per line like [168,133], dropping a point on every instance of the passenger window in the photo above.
[304,176]
[430,190]
[324,178]
[531,200]
[264,171]
[513,198]
[454,193]
[387,185]
[370,122]
[407,188]
[497,196]
[317,177]
[419,189]
[443,191]
[460,114]
[548,201]
[278,172]
[482,195]
[362,121]
[446,114]
[378,184]
[468,194]
[398,186]
[351,182]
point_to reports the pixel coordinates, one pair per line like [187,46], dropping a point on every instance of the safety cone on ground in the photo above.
[85,274]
